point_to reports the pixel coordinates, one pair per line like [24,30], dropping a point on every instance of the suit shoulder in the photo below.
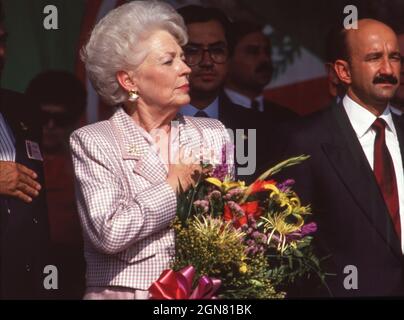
[280,112]
[94,131]
[312,127]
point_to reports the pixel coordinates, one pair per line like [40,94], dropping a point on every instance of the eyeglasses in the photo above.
[195,54]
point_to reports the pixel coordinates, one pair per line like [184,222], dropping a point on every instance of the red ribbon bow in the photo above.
[178,285]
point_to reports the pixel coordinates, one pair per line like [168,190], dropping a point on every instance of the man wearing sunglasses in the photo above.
[23,214]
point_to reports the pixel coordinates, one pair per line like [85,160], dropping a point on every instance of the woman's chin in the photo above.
[184,101]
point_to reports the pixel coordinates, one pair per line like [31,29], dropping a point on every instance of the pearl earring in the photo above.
[133,95]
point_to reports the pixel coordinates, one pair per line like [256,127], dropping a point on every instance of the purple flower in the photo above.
[308,229]
[221,170]
[234,194]
[252,222]
[304,231]
[202,205]
[235,208]
[284,186]
[215,195]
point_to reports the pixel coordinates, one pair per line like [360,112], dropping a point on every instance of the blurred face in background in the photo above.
[206,54]
[251,65]
[399,97]
[56,127]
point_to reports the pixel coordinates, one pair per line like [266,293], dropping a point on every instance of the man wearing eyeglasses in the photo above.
[207,53]
[23,215]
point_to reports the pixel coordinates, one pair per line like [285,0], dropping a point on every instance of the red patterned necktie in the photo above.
[385,174]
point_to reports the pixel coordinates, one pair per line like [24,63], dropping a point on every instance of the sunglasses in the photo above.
[60,119]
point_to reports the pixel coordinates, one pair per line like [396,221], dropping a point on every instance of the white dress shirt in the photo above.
[243,100]
[211,110]
[362,120]
[7,142]
[158,142]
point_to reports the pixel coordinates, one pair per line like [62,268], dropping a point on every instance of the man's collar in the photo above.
[211,110]
[362,119]
[242,100]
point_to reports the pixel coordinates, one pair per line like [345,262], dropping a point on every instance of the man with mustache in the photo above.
[250,70]
[354,177]
[23,217]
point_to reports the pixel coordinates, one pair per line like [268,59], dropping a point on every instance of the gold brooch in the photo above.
[132,150]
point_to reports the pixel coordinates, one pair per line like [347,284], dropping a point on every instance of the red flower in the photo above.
[250,209]
[259,185]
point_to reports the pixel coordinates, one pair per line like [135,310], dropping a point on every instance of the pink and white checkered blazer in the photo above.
[124,202]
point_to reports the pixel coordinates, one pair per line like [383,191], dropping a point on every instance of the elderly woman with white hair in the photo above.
[129,168]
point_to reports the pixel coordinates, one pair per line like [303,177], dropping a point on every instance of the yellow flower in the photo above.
[226,185]
[243,268]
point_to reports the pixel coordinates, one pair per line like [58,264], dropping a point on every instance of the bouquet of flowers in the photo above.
[249,241]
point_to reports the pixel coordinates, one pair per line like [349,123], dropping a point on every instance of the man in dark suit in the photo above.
[23,217]
[354,178]
[207,53]
[250,70]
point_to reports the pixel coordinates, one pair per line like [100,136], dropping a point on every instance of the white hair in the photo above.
[115,43]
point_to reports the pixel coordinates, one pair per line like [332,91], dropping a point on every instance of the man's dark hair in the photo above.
[336,45]
[242,28]
[195,14]
[59,88]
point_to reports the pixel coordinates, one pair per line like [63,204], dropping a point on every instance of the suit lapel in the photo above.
[191,137]
[349,161]
[399,124]
[136,146]
[225,109]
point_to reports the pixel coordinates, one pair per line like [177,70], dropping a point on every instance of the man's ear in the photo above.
[343,71]
[126,81]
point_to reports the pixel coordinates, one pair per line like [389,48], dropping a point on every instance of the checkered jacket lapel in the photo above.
[134,146]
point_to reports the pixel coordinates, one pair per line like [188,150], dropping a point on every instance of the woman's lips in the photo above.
[184,87]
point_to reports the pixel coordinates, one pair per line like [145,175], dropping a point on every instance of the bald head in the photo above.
[369,33]
[372,70]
